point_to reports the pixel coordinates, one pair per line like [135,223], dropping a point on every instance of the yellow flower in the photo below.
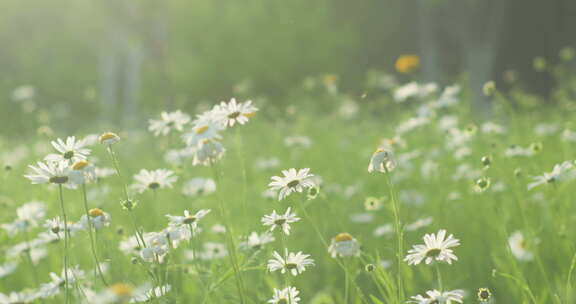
[407,63]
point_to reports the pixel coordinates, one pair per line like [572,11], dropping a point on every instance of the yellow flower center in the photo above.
[342,237]
[189,219]
[95,212]
[79,165]
[69,154]
[108,136]
[432,253]
[122,289]
[233,115]
[293,183]
[154,185]
[251,114]
[201,130]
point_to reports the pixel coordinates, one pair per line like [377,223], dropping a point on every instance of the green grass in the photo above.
[340,152]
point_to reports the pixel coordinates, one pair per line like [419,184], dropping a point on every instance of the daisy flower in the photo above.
[210,152]
[108,138]
[98,218]
[439,297]
[199,186]
[71,150]
[288,295]
[558,173]
[213,251]
[55,225]
[82,172]
[420,223]
[344,245]
[234,112]
[519,247]
[292,181]
[203,131]
[382,161]
[154,179]
[256,241]
[280,221]
[168,121]
[294,263]
[188,218]
[57,172]
[435,248]
[27,216]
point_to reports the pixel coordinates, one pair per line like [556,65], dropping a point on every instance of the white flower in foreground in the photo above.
[519,247]
[288,295]
[559,172]
[199,186]
[435,248]
[71,150]
[280,221]
[168,121]
[51,173]
[382,161]
[154,179]
[256,241]
[294,263]
[292,181]
[234,112]
[344,245]
[439,297]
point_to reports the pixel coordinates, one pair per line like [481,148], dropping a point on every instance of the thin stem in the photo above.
[439,277]
[66,237]
[399,235]
[29,257]
[346,282]
[569,279]
[229,237]
[90,233]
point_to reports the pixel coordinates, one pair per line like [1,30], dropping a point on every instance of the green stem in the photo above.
[66,237]
[439,277]
[399,235]
[90,233]
[229,237]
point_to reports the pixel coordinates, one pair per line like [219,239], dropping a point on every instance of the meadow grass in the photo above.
[435,177]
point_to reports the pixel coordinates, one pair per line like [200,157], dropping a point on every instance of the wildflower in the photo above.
[519,247]
[27,216]
[439,297]
[484,295]
[435,248]
[108,138]
[288,295]
[369,267]
[294,263]
[482,184]
[168,122]
[234,112]
[203,131]
[382,161]
[7,268]
[281,221]
[188,218]
[313,192]
[256,241]
[199,186]
[566,53]
[414,90]
[269,163]
[373,203]
[292,181]
[210,152]
[486,161]
[23,92]
[51,173]
[213,251]
[154,179]
[71,150]
[82,172]
[382,230]
[420,223]
[558,173]
[407,63]
[98,218]
[489,88]
[344,245]
[298,140]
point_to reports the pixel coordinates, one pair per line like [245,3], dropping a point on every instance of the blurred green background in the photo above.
[118,59]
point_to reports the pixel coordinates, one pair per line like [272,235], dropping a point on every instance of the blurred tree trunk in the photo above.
[429,43]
